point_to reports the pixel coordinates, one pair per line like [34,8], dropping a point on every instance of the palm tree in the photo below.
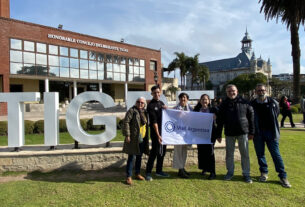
[203,75]
[292,13]
[179,62]
[192,66]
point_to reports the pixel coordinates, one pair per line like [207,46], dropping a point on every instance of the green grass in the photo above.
[64,138]
[106,187]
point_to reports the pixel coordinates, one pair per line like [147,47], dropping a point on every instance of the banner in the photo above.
[186,127]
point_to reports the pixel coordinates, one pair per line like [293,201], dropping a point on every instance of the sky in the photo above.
[212,28]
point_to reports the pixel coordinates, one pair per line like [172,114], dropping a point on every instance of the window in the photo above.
[29,46]
[153,65]
[64,51]
[53,49]
[41,48]
[136,70]
[16,44]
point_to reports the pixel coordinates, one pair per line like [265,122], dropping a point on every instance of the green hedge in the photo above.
[294,109]
[39,127]
[29,127]
[3,128]
[90,126]
[62,125]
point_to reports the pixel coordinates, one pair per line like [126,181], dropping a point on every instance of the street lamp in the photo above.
[156,77]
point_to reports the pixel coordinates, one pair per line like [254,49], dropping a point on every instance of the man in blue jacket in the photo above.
[237,117]
[266,111]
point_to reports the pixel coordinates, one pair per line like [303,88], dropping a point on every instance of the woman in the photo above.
[286,111]
[180,151]
[206,156]
[136,140]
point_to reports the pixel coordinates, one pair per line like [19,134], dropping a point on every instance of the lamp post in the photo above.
[156,77]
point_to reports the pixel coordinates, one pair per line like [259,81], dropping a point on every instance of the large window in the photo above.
[36,58]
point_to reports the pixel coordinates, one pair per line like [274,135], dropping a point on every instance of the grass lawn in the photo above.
[107,188]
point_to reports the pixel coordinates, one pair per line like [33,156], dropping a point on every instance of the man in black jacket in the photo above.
[237,117]
[267,130]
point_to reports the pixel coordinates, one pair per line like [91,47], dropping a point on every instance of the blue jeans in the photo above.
[130,159]
[273,147]
[244,153]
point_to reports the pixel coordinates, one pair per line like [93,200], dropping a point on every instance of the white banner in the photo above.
[186,127]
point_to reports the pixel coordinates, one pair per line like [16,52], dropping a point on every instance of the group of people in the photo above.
[241,120]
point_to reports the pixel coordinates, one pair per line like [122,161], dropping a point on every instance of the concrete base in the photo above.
[64,157]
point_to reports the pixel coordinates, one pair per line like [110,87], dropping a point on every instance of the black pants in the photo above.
[156,152]
[206,157]
[285,114]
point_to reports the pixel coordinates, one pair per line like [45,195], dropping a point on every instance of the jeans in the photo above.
[273,147]
[130,159]
[244,153]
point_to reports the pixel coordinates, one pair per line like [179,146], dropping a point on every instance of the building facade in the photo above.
[225,70]
[37,58]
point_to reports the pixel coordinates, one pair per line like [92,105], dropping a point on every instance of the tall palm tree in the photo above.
[192,66]
[203,75]
[179,62]
[291,13]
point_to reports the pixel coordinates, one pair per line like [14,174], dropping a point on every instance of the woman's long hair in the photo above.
[198,105]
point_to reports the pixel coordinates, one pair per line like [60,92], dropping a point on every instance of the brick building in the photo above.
[37,58]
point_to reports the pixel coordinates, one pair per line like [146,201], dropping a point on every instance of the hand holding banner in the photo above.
[186,127]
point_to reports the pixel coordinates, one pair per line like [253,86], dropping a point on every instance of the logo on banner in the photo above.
[169,126]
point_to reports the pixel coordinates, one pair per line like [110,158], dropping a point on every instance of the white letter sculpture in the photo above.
[15,115]
[51,110]
[73,122]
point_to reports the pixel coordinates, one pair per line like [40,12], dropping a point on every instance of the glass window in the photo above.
[54,71]
[142,76]
[123,68]
[116,68]
[40,47]
[84,74]
[116,76]
[74,63]
[153,65]
[115,59]
[123,60]
[16,68]
[109,66]
[63,51]
[42,70]
[29,57]
[74,52]
[109,59]
[142,63]
[92,55]
[136,61]
[16,44]
[83,64]
[109,75]
[74,73]
[92,65]
[41,59]
[130,77]
[123,77]
[136,70]
[64,62]
[130,61]
[29,46]
[29,69]
[100,66]
[142,70]
[53,49]
[131,69]
[100,75]
[53,60]
[64,72]
[100,57]
[16,56]
[93,74]
[84,54]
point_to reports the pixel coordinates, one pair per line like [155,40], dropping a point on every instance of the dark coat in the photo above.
[236,116]
[274,113]
[131,128]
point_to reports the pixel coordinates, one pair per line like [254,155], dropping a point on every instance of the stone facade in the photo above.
[37,158]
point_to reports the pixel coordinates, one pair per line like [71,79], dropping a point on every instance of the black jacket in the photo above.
[236,116]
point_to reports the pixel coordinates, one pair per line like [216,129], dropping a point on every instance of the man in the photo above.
[237,117]
[303,108]
[266,111]
[154,110]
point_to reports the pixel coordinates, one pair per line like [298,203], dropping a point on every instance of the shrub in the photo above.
[119,123]
[298,106]
[62,125]
[294,110]
[83,123]
[90,125]
[29,127]
[3,128]
[39,126]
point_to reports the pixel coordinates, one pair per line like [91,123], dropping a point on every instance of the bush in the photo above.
[39,126]
[90,125]
[62,125]
[3,128]
[29,127]
[119,123]
[83,123]
[298,106]
[294,110]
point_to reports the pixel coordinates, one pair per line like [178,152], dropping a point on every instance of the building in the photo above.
[37,58]
[225,70]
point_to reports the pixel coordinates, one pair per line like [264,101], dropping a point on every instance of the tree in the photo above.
[278,86]
[172,89]
[179,62]
[192,66]
[292,13]
[204,76]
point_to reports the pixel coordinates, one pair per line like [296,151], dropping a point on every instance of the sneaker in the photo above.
[248,179]
[285,183]
[148,177]
[162,174]
[139,177]
[228,177]
[212,176]
[263,177]
[182,174]
[129,181]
